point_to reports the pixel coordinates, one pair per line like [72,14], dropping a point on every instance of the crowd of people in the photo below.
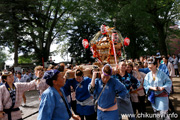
[107,94]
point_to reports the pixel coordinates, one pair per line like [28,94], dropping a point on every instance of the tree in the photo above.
[48,24]
[82,25]
[162,14]
[129,23]
[87,20]
[83,30]
[150,21]
[13,19]
[34,26]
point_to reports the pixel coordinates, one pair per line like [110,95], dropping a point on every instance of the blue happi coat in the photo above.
[82,94]
[113,87]
[52,106]
[161,80]
[107,99]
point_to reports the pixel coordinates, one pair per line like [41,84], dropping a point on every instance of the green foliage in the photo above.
[48,24]
[83,30]
[25,59]
[32,26]
[145,22]
[14,14]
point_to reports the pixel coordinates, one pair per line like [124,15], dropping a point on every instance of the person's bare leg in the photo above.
[24,99]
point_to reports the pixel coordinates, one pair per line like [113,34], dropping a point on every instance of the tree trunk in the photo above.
[15,34]
[15,53]
[162,40]
[46,54]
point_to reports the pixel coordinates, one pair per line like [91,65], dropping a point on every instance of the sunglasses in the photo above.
[151,60]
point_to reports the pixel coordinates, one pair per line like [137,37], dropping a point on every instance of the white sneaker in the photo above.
[23,105]
[177,75]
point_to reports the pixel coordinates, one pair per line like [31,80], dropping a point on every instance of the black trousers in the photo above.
[89,117]
[142,103]
[73,105]
[176,71]
[140,106]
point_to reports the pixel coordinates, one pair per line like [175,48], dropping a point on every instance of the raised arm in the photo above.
[91,86]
